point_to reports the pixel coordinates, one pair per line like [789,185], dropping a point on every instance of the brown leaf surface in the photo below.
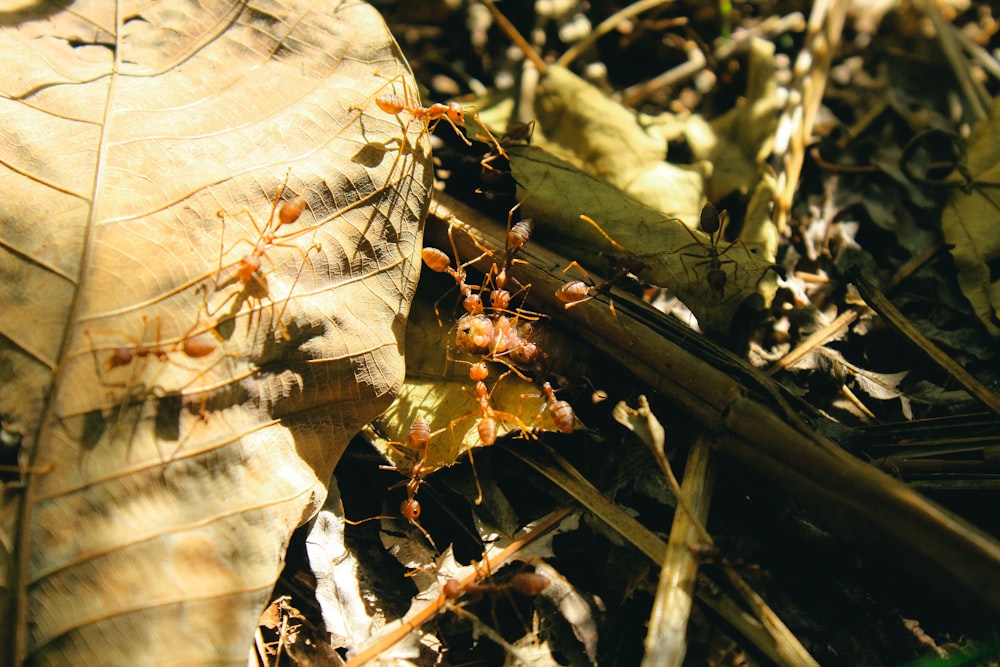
[969,223]
[178,472]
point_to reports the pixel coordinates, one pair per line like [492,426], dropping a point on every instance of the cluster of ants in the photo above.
[495,332]
[490,328]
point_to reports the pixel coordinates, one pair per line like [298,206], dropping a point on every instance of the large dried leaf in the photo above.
[178,473]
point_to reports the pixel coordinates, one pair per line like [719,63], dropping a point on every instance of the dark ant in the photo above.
[516,132]
[713,223]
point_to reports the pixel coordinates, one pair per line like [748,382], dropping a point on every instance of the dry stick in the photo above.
[606,26]
[846,318]
[515,36]
[666,638]
[757,425]
[666,642]
[812,68]
[776,641]
[408,625]
[881,304]
[695,62]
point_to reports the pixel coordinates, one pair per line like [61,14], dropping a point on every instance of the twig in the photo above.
[606,26]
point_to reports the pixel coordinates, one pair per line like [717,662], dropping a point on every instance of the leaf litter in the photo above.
[855,205]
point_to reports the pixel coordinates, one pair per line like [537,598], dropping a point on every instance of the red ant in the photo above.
[195,347]
[528,584]
[439,262]
[575,292]
[452,113]
[418,441]
[561,411]
[248,268]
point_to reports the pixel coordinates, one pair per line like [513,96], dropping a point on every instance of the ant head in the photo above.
[456,113]
[473,304]
[479,371]
[249,265]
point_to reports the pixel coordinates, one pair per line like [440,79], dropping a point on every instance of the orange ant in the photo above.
[418,441]
[195,347]
[452,113]
[287,213]
[248,268]
[561,411]
[528,584]
[575,292]
[439,262]
[139,387]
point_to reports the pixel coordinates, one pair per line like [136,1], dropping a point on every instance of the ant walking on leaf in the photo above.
[418,449]
[714,223]
[429,117]
[159,370]
[575,292]
[248,272]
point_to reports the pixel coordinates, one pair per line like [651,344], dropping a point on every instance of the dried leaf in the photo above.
[191,407]
[674,255]
[969,223]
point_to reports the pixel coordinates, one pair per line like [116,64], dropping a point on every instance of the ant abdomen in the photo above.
[436,260]
[291,210]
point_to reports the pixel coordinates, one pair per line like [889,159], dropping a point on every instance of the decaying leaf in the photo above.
[591,156]
[969,223]
[669,252]
[187,343]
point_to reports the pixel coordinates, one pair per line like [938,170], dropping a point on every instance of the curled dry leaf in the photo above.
[210,241]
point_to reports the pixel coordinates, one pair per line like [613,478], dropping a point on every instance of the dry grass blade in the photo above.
[772,638]
[884,307]
[812,68]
